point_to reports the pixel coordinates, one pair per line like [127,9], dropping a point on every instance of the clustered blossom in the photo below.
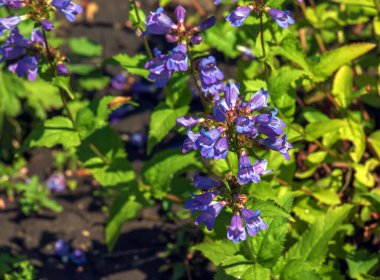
[210,203]
[22,54]
[162,66]
[56,182]
[241,13]
[241,124]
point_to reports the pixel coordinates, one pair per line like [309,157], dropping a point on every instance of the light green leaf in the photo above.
[159,171]
[374,143]
[327,196]
[313,244]
[298,270]
[340,56]
[133,64]
[162,120]
[367,3]
[342,87]
[241,268]
[218,251]
[163,3]
[137,20]
[268,208]
[10,92]
[318,129]
[374,198]
[53,132]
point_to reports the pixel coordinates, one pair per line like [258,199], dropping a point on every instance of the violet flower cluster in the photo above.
[211,202]
[63,250]
[163,66]
[241,13]
[22,54]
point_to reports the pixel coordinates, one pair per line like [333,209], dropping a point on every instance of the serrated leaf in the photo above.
[342,87]
[340,56]
[117,172]
[313,244]
[361,263]
[53,132]
[159,171]
[133,64]
[268,208]
[241,268]
[298,270]
[217,251]
[163,119]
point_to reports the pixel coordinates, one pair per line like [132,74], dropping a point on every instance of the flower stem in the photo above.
[145,40]
[249,250]
[64,102]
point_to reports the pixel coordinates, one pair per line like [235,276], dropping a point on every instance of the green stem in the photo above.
[249,250]
[65,105]
[145,40]
[377,6]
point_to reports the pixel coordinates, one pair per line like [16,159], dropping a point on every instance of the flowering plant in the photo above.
[263,145]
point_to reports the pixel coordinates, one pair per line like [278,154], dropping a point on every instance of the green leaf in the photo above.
[313,244]
[298,270]
[354,132]
[177,91]
[163,119]
[10,92]
[134,65]
[217,251]
[163,3]
[268,208]
[124,207]
[374,143]
[367,3]
[117,172]
[361,263]
[161,169]
[53,132]
[317,129]
[281,94]
[340,56]
[374,198]
[63,83]
[223,37]
[342,88]
[241,268]
[85,47]
[327,196]
[137,20]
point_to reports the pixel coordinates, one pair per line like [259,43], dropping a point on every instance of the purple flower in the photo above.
[28,66]
[247,173]
[219,110]
[200,202]
[178,60]
[258,101]
[180,13]
[207,23]
[260,167]
[37,37]
[62,70]
[279,144]
[238,16]
[269,124]
[282,18]
[204,183]
[236,231]
[211,145]
[211,77]
[119,82]
[158,70]
[61,248]
[245,125]
[14,47]
[13,4]
[158,23]
[56,182]
[231,93]
[9,23]
[190,141]
[253,220]
[189,121]
[210,214]
[47,25]
[78,257]
[68,8]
